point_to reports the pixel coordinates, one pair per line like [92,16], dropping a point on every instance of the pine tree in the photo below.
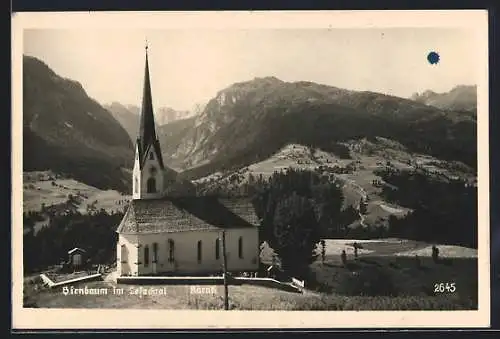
[296,234]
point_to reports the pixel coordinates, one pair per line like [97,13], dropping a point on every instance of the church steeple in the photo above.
[151,179]
[147,133]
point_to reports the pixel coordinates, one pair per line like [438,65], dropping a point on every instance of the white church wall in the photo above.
[249,260]
[186,252]
[127,254]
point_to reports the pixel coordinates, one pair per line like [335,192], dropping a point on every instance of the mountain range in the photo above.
[128,116]
[249,121]
[245,123]
[459,98]
[66,131]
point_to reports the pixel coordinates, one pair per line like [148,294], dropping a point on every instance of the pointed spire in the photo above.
[147,133]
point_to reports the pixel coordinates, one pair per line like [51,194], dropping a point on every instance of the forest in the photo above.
[95,232]
[444,211]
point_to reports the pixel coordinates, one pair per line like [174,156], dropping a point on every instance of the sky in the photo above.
[189,66]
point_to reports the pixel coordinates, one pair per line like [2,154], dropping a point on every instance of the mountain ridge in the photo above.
[244,123]
[128,116]
[459,98]
[248,108]
[67,131]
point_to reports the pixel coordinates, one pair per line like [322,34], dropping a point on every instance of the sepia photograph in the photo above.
[174,162]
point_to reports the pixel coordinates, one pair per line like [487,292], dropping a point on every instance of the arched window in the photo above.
[240,247]
[146,256]
[151,185]
[217,249]
[136,185]
[199,251]
[170,245]
[155,252]
[151,156]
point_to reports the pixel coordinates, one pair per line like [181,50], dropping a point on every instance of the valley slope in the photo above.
[66,131]
[128,116]
[461,98]
[250,121]
[257,127]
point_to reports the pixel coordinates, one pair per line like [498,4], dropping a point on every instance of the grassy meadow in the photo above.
[383,277]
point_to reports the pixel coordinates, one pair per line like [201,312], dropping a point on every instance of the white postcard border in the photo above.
[168,319]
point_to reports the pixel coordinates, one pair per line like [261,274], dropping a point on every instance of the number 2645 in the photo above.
[444,287]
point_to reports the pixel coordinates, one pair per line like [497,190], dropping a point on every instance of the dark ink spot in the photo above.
[433,58]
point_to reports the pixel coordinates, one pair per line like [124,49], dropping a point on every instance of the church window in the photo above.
[123,254]
[155,252]
[240,247]
[146,256]
[151,156]
[170,250]
[199,251]
[151,185]
[217,249]
[136,185]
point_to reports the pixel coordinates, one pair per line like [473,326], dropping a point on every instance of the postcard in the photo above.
[316,169]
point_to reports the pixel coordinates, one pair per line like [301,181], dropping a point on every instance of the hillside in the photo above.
[171,133]
[357,171]
[171,140]
[46,193]
[165,115]
[250,121]
[66,131]
[49,189]
[128,116]
[244,124]
[461,98]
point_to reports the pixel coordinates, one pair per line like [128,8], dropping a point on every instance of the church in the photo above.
[167,229]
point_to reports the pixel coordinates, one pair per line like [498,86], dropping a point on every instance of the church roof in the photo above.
[187,214]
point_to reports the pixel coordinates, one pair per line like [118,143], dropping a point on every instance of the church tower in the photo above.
[150,177]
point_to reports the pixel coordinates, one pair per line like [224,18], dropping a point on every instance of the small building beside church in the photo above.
[167,229]
[77,257]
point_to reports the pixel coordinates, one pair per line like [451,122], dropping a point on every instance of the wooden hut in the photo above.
[77,257]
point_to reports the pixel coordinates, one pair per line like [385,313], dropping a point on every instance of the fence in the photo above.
[299,283]
[52,284]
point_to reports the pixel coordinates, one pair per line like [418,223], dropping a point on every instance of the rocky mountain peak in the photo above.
[459,98]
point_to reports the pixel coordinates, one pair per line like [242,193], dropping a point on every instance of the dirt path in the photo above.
[110,278]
